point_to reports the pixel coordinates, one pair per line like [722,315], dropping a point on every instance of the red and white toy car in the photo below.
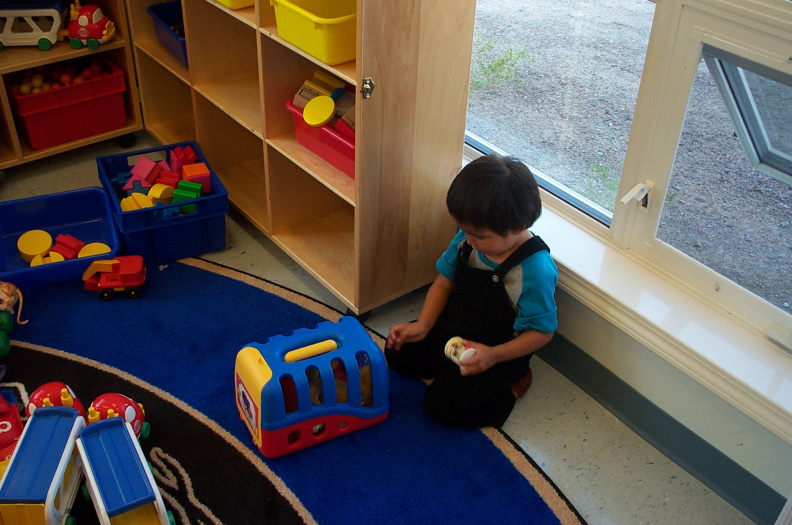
[89,26]
[119,405]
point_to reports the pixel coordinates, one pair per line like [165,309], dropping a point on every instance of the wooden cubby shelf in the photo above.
[14,149]
[368,238]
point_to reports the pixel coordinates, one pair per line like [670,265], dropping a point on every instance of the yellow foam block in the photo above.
[161,193]
[33,243]
[136,201]
[51,257]
[93,248]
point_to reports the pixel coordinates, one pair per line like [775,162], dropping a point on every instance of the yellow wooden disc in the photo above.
[33,243]
[318,111]
[94,248]
[51,257]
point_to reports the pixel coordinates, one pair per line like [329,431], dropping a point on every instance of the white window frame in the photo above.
[717,333]
[759,31]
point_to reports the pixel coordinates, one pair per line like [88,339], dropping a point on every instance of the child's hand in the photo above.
[482,360]
[404,333]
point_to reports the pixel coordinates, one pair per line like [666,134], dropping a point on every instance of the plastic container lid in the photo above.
[319,111]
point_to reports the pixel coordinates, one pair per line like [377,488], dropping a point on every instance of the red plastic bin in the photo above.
[72,112]
[325,142]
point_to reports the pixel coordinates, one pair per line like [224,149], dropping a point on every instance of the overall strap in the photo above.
[526,249]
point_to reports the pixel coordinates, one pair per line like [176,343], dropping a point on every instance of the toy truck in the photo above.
[125,273]
[44,473]
[31,22]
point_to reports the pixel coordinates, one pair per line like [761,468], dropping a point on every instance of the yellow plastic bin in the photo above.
[325,29]
[236,4]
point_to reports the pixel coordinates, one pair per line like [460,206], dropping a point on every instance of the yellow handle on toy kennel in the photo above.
[322,347]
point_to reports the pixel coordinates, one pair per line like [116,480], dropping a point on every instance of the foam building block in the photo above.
[51,257]
[168,178]
[136,201]
[145,170]
[181,195]
[94,248]
[166,213]
[174,159]
[198,173]
[137,187]
[68,246]
[33,243]
[161,193]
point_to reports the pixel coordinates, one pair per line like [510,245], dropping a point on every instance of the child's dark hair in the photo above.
[497,193]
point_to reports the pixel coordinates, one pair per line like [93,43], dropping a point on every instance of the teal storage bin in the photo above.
[160,234]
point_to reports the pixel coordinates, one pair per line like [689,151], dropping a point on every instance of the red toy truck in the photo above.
[125,273]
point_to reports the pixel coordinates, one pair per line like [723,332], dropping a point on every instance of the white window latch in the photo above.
[639,193]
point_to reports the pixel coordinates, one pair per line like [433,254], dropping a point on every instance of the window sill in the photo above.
[740,366]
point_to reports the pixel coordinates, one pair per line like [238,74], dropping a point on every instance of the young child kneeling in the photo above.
[495,289]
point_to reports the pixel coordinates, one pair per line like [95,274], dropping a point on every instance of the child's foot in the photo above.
[521,387]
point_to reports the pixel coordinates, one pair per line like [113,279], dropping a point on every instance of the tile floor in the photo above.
[610,474]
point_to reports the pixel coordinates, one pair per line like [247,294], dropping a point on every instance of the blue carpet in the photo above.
[182,336]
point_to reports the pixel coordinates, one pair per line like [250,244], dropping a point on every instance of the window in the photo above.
[569,74]
[683,105]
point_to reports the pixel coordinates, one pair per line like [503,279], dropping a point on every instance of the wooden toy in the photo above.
[311,386]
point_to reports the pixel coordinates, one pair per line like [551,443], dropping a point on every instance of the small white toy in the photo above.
[456,350]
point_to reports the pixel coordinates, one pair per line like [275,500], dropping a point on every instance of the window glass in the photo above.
[759,107]
[719,210]
[555,84]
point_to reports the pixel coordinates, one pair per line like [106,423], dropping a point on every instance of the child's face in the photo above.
[490,243]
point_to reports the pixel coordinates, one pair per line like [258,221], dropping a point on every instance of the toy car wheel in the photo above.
[71,520]
[105,295]
[133,293]
[85,492]
[171,519]
[145,430]
[44,44]
[75,42]
[92,43]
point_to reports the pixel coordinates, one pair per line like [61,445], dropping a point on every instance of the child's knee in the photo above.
[450,406]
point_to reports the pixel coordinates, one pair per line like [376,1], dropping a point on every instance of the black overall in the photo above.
[480,310]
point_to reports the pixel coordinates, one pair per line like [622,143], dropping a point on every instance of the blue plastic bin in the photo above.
[160,234]
[165,17]
[84,214]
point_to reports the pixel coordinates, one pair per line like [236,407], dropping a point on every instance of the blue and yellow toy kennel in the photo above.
[316,384]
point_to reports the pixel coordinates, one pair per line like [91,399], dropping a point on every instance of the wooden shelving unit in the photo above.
[13,148]
[368,239]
